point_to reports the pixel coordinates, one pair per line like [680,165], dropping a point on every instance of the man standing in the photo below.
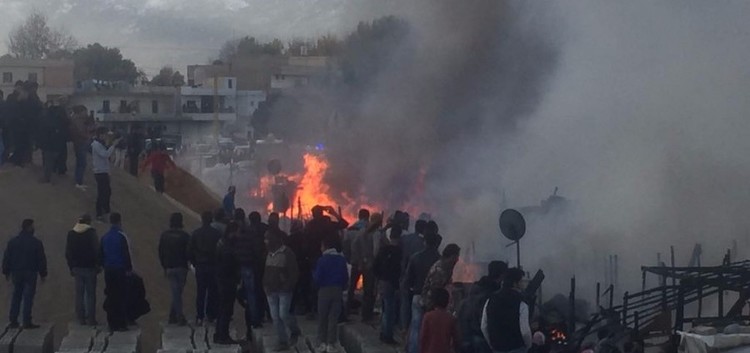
[416,273]
[23,262]
[136,145]
[505,320]
[173,255]
[203,256]
[471,310]
[349,236]
[81,124]
[411,244]
[227,275]
[387,270]
[52,138]
[114,253]
[101,154]
[82,253]
[228,202]
[281,276]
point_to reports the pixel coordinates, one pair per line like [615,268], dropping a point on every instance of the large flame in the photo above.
[466,272]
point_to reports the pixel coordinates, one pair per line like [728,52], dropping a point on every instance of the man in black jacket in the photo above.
[505,320]
[470,312]
[82,253]
[136,142]
[173,255]
[203,256]
[249,253]
[387,270]
[51,139]
[416,274]
[228,276]
[23,262]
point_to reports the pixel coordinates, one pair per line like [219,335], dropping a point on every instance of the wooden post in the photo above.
[680,309]
[721,295]
[643,281]
[671,251]
[625,310]
[636,322]
[598,294]
[617,272]
[611,296]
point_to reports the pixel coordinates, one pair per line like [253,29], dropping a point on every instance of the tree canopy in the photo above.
[168,77]
[97,62]
[35,39]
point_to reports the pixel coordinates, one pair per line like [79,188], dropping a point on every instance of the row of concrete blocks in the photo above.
[86,339]
[27,341]
[187,339]
[361,338]
[264,341]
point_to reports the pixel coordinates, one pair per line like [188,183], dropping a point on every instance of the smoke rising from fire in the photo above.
[637,110]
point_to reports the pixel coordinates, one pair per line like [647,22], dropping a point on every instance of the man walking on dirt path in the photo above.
[80,128]
[23,262]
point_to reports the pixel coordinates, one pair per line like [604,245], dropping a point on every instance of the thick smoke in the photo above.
[636,110]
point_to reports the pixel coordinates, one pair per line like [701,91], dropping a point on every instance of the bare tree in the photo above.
[35,39]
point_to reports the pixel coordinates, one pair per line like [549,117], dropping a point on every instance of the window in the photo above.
[123,107]
[7,77]
[32,77]
[105,106]
[230,83]
[155,107]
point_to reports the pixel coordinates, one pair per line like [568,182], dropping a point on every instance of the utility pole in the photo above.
[216,107]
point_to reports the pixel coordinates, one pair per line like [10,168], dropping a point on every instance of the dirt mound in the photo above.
[56,208]
[187,190]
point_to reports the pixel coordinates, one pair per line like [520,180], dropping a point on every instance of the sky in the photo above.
[155,33]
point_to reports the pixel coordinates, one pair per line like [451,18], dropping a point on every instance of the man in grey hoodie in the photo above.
[82,253]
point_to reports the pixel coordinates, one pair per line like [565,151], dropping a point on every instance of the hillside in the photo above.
[56,208]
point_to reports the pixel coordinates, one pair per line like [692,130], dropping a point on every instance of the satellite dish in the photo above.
[512,224]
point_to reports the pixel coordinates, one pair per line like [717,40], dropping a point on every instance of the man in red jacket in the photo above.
[160,161]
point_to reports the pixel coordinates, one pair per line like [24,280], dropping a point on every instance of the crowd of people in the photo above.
[237,258]
[313,270]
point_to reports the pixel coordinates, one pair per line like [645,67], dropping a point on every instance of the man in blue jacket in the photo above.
[23,261]
[331,277]
[115,257]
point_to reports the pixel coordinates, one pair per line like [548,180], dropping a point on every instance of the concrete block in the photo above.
[72,343]
[99,342]
[226,349]
[6,342]
[704,330]
[179,345]
[124,342]
[35,341]
[200,342]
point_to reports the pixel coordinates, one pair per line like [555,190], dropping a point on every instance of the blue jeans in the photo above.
[24,289]
[206,300]
[280,302]
[81,155]
[177,278]
[85,294]
[390,311]
[252,317]
[417,312]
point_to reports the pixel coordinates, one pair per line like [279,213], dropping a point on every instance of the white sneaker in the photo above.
[81,187]
[332,348]
[322,348]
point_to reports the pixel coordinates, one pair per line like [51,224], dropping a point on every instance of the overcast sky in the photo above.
[180,32]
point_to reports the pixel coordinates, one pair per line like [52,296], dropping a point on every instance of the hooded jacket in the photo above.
[115,251]
[82,247]
[281,271]
[331,271]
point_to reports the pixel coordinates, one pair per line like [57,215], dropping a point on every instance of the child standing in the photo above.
[439,333]
[331,276]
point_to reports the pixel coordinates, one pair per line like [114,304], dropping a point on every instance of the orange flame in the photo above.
[466,272]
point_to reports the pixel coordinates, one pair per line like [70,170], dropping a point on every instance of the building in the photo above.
[55,77]
[187,111]
[300,71]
